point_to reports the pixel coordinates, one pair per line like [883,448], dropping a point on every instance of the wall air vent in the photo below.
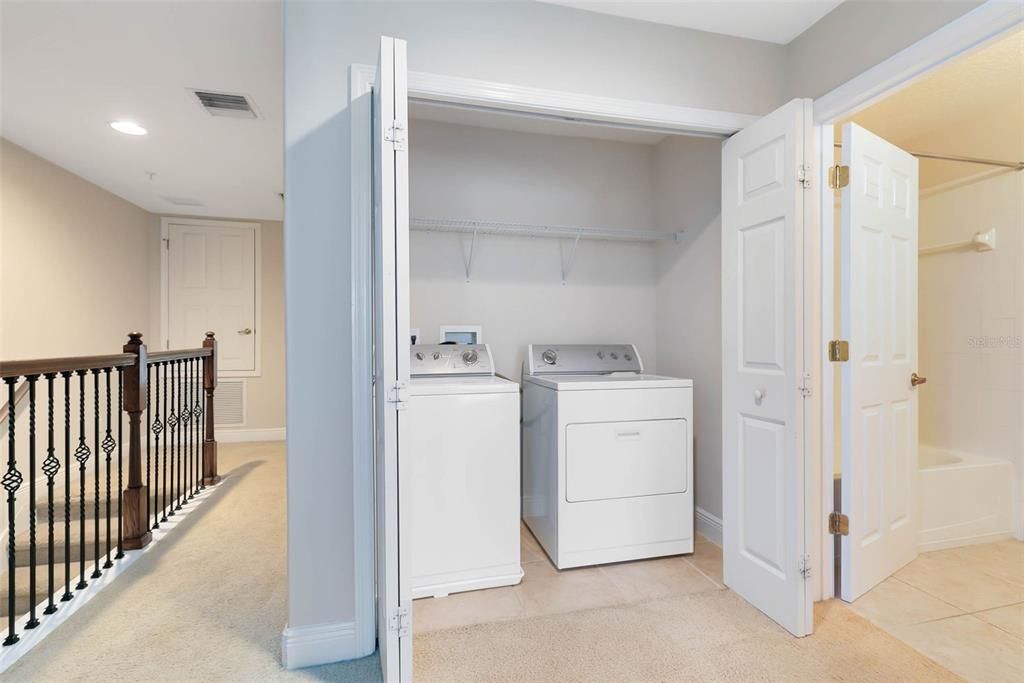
[226,104]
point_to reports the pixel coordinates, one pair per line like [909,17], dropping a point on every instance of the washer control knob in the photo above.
[549,357]
[600,354]
[436,355]
[470,357]
[628,357]
[615,356]
[419,355]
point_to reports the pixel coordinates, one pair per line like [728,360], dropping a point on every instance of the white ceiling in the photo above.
[774,21]
[525,123]
[69,68]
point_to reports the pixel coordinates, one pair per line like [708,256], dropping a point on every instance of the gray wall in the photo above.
[523,43]
[858,35]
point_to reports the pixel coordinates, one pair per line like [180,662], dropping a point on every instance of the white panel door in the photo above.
[879,404]
[391,358]
[763,364]
[211,285]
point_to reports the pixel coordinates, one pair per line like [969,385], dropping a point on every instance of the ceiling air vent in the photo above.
[226,104]
[182,201]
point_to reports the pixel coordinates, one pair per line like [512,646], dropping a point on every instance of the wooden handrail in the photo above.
[43,366]
[178,354]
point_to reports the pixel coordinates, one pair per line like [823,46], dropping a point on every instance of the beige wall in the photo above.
[80,268]
[74,272]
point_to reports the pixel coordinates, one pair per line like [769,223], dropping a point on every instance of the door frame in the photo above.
[443,89]
[974,30]
[164,324]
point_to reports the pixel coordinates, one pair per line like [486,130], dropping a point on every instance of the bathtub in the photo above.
[964,498]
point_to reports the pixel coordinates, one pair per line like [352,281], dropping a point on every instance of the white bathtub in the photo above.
[964,498]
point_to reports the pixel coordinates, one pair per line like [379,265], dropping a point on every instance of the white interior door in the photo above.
[879,320]
[391,357]
[763,364]
[211,285]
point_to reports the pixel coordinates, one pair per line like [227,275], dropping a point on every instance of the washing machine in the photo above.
[607,455]
[464,456]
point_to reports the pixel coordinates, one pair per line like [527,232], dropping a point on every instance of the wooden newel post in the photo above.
[135,517]
[210,475]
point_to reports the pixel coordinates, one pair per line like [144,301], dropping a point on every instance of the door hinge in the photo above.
[838,524]
[400,622]
[839,351]
[805,385]
[805,567]
[167,243]
[838,176]
[396,135]
[803,177]
[398,396]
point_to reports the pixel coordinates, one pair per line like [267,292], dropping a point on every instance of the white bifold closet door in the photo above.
[764,207]
[879,320]
[391,357]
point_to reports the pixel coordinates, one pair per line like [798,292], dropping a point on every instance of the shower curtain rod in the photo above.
[1015,165]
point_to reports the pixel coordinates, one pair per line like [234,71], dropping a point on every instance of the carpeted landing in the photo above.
[713,636]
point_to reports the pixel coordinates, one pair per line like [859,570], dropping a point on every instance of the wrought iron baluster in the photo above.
[96,573]
[50,468]
[82,456]
[31,379]
[197,422]
[120,465]
[201,424]
[182,432]
[67,487]
[167,438]
[187,413]
[108,448]
[11,482]
[172,421]
[149,423]
[158,427]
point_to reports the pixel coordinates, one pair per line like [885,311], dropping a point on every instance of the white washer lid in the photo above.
[595,382]
[448,385]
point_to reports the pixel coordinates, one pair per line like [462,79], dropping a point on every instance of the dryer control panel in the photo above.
[586,359]
[431,360]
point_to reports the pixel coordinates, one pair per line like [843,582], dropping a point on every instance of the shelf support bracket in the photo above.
[567,264]
[467,258]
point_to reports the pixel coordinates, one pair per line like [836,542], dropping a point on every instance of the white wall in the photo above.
[523,43]
[515,289]
[971,304]
[688,197]
[858,35]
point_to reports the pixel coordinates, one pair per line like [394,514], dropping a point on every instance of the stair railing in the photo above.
[175,390]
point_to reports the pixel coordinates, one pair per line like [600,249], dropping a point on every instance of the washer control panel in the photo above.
[430,360]
[590,359]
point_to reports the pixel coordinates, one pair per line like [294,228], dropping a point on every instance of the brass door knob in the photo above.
[246,331]
[916,379]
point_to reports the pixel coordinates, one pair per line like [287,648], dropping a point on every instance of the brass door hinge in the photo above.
[839,351]
[838,176]
[838,524]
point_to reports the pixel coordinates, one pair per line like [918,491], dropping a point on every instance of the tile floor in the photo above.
[962,607]
[544,590]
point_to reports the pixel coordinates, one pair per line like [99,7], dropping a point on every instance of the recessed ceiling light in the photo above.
[128,127]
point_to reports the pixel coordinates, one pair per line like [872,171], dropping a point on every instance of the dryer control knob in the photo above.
[628,357]
[436,355]
[419,355]
[549,357]
[600,354]
[470,357]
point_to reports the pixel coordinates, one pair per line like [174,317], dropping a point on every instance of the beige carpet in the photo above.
[208,603]
[712,636]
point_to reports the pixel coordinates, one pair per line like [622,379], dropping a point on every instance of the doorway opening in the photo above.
[928,231]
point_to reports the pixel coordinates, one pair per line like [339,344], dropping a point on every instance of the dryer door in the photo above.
[605,460]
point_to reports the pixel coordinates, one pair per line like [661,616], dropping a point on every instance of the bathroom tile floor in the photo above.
[962,607]
[545,590]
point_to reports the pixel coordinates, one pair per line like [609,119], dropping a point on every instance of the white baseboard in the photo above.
[319,644]
[238,435]
[709,526]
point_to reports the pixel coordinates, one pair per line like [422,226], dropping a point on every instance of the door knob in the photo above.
[247,330]
[759,395]
[916,379]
